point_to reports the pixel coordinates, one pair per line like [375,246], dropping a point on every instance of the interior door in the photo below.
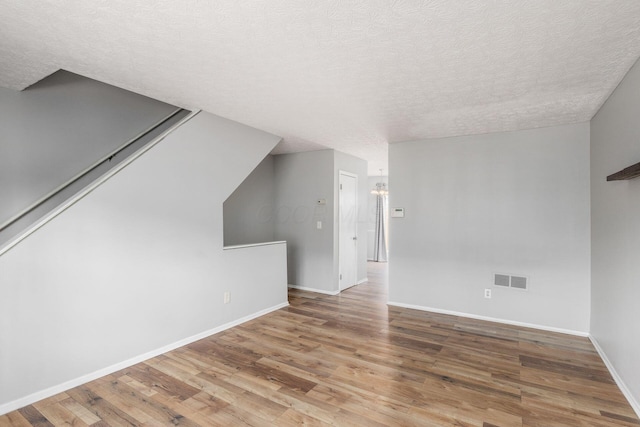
[348,258]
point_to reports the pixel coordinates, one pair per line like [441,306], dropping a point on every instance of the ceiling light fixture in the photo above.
[381,187]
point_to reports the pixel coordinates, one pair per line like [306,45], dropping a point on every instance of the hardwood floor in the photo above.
[350,360]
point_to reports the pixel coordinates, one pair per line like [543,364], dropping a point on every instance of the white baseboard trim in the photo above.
[361,281]
[51,391]
[621,385]
[347,287]
[319,291]
[490,319]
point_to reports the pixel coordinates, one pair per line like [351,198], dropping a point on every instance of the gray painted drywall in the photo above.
[371,212]
[357,166]
[514,203]
[248,212]
[137,264]
[615,229]
[58,127]
[300,180]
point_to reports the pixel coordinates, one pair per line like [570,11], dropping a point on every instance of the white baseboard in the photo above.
[347,287]
[361,281]
[319,291]
[490,319]
[51,391]
[621,385]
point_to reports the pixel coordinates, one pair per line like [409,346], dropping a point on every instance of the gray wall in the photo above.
[60,126]
[615,265]
[514,203]
[248,212]
[357,166]
[302,179]
[136,265]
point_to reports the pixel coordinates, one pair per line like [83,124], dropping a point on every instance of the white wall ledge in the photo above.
[251,245]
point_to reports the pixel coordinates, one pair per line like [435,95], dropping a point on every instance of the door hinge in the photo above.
[341,186]
[341,277]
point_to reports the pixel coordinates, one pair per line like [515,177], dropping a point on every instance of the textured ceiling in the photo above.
[350,75]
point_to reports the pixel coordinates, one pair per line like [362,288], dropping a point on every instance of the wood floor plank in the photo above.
[160,381]
[59,415]
[14,419]
[624,418]
[350,360]
[293,418]
[103,409]
[34,417]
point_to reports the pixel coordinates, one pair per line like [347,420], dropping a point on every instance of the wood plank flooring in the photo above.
[350,360]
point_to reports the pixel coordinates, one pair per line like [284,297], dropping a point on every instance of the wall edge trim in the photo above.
[490,319]
[51,391]
[635,405]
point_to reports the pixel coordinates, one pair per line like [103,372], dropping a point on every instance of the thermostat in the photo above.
[397,213]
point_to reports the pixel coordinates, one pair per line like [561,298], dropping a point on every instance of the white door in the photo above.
[348,258]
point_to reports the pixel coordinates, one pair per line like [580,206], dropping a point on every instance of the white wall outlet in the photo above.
[319,225]
[487,293]
[227,297]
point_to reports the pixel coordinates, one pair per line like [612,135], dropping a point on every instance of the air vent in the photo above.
[501,280]
[507,281]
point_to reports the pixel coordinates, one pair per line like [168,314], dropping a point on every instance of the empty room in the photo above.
[320,213]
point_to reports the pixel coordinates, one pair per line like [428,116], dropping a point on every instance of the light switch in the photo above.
[319,225]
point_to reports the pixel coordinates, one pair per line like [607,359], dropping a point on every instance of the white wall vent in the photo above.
[507,281]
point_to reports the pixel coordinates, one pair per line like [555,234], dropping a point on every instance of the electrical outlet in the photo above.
[227,297]
[487,293]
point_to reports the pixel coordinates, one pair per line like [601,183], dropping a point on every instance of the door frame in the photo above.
[340,260]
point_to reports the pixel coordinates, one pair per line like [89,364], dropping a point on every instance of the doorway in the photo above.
[347,226]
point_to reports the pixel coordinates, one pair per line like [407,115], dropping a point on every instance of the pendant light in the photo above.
[381,187]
